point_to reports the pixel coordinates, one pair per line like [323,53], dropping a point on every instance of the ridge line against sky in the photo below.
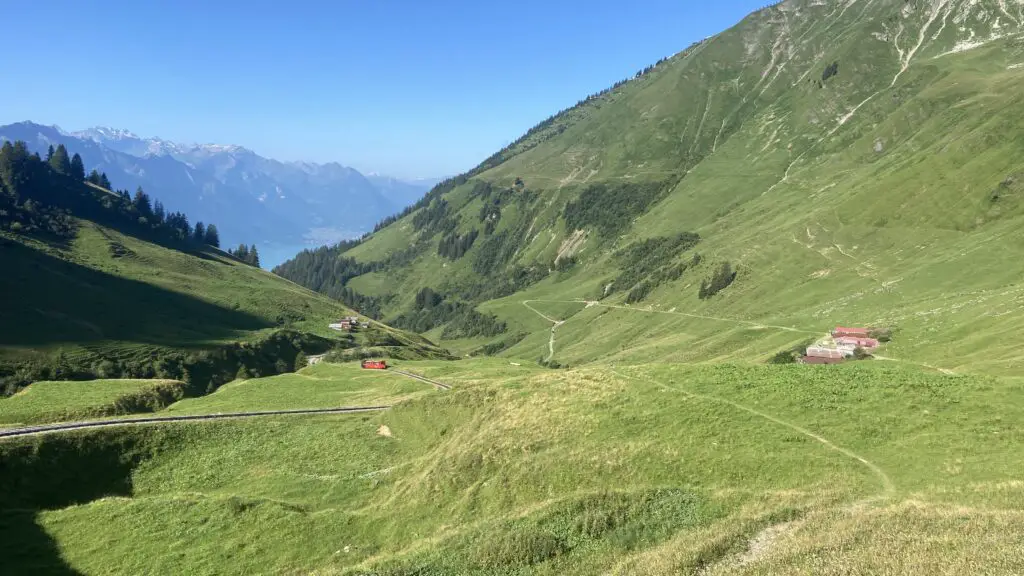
[407,89]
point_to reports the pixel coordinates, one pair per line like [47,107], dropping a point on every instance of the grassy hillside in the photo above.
[321,386]
[63,401]
[865,468]
[107,304]
[855,163]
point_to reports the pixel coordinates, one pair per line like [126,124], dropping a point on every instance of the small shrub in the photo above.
[881,334]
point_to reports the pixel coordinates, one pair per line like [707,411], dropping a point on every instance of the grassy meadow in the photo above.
[320,386]
[90,299]
[62,401]
[871,467]
[886,195]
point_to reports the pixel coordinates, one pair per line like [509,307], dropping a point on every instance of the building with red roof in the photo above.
[858,332]
[856,341]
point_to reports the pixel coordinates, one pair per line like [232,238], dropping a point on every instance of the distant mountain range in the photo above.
[252,199]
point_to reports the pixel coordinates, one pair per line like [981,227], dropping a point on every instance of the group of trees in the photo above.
[247,254]
[645,265]
[460,319]
[719,281]
[454,246]
[609,208]
[59,161]
[208,234]
[435,217]
[99,179]
[326,271]
[202,371]
[42,194]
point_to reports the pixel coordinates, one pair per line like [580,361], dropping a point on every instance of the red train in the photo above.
[375,364]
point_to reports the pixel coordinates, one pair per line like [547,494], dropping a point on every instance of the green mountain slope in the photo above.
[96,285]
[112,305]
[854,162]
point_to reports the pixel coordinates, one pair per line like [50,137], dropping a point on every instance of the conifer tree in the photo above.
[159,214]
[60,162]
[212,237]
[254,256]
[141,202]
[49,153]
[77,168]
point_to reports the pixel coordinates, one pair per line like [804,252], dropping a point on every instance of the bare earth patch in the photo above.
[762,543]
[384,431]
[571,245]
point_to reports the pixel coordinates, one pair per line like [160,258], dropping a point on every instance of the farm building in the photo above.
[856,332]
[855,341]
[347,324]
[817,360]
[823,352]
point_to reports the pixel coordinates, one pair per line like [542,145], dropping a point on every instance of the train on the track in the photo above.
[375,364]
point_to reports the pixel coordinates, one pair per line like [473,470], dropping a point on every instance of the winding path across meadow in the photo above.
[557,323]
[589,303]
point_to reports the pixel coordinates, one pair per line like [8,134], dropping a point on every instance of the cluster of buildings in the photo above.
[348,324]
[839,346]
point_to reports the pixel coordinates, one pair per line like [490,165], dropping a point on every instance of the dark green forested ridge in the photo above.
[39,197]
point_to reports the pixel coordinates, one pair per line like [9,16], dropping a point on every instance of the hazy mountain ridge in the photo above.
[251,198]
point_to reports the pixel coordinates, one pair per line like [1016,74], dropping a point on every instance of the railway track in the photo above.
[68,426]
[434,383]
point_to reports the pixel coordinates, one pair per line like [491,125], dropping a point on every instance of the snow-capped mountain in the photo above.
[249,197]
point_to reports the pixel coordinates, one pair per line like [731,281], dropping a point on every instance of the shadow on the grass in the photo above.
[50,301]
[53,472]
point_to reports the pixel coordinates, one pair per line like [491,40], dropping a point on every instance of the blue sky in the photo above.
[410,88]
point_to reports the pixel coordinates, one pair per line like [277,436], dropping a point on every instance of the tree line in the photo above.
[454,246]
[460,319]
[40,195]
[609,208]
[647,264]
[247,254]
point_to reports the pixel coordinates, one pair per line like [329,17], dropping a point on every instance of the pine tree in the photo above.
[199,234]
[254,256]
[60,161]
[94,178]
[212,237]
[141,202]
[77,168]
[158,210]
[242,253]
[49,153]
[104,181]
